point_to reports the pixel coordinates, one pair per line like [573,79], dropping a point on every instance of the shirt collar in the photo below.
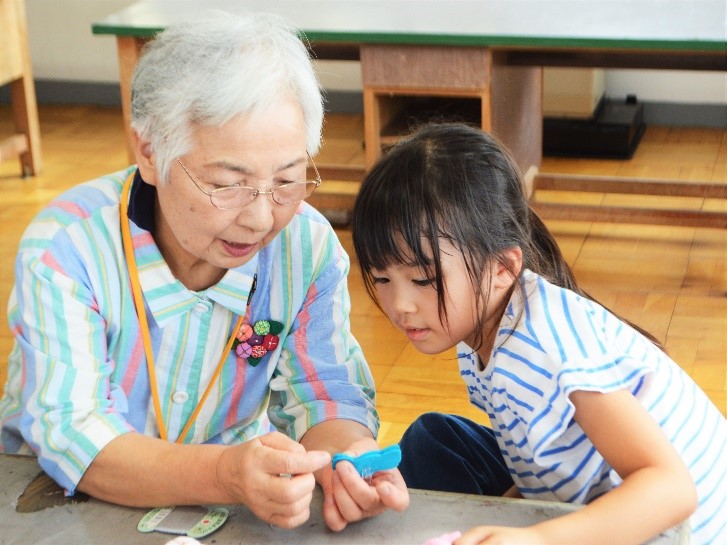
[142,199]
[165,296]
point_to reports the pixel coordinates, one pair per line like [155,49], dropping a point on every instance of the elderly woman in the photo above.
[182,327]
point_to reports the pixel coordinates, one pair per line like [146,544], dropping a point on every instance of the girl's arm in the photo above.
[657,490]
[512,492]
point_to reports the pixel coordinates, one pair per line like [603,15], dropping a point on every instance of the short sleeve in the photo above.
[596,352]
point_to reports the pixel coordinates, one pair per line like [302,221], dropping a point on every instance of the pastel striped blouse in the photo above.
[77,375]
[563,343]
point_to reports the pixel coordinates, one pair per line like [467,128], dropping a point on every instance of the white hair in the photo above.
[209,70]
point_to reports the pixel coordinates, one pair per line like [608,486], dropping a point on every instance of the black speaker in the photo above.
[613,132]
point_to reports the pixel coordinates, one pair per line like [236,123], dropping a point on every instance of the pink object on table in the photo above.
[445,539]
[183,540]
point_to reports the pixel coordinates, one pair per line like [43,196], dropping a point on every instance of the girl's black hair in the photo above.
[453,182]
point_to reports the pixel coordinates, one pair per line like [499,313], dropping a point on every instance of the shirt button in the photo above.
[180,397]
[201,307]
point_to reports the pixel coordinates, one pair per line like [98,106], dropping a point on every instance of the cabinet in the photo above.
[404,86]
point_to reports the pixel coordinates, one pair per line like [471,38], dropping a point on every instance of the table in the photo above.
[430,514]
[486,56]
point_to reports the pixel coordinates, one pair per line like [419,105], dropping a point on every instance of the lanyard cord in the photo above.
[144,325]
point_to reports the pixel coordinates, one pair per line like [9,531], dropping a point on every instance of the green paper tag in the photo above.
[215,518]
[184,520]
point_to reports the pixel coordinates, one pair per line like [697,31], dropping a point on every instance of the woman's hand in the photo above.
[273,476]
[347,497]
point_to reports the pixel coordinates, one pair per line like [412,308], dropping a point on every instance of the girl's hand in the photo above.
[500,535]
[347,497]
[273,476]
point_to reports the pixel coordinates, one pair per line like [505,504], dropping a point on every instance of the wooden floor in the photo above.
[670,280]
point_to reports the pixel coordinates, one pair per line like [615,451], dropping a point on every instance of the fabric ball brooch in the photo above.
[253,342]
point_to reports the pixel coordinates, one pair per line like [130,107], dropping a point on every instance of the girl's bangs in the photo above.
[389,229]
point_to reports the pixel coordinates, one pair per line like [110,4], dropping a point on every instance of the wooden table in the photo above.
[430,514]
[483,59]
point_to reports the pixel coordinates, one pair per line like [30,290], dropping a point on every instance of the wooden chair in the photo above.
[16,70]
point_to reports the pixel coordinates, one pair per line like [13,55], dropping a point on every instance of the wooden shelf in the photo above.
[16,71]
[415,110]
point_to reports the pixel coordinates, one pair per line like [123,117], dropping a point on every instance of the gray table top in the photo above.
[430,514]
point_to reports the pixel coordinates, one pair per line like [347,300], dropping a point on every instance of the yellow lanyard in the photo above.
[144,325]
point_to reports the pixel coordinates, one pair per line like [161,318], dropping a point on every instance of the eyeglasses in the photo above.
[232,198]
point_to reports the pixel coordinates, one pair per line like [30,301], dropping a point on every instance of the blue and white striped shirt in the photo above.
[564,343]
[77,375]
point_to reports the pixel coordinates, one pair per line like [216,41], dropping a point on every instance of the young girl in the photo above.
[585,407]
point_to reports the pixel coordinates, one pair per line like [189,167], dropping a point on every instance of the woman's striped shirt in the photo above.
[77,375]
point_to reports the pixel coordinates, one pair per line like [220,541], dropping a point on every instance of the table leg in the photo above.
[129,51]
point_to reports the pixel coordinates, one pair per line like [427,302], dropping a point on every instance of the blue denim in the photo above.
[453,454]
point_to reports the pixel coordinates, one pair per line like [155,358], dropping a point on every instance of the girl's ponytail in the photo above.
[548,261]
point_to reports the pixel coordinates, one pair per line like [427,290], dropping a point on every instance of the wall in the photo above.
[62,46]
